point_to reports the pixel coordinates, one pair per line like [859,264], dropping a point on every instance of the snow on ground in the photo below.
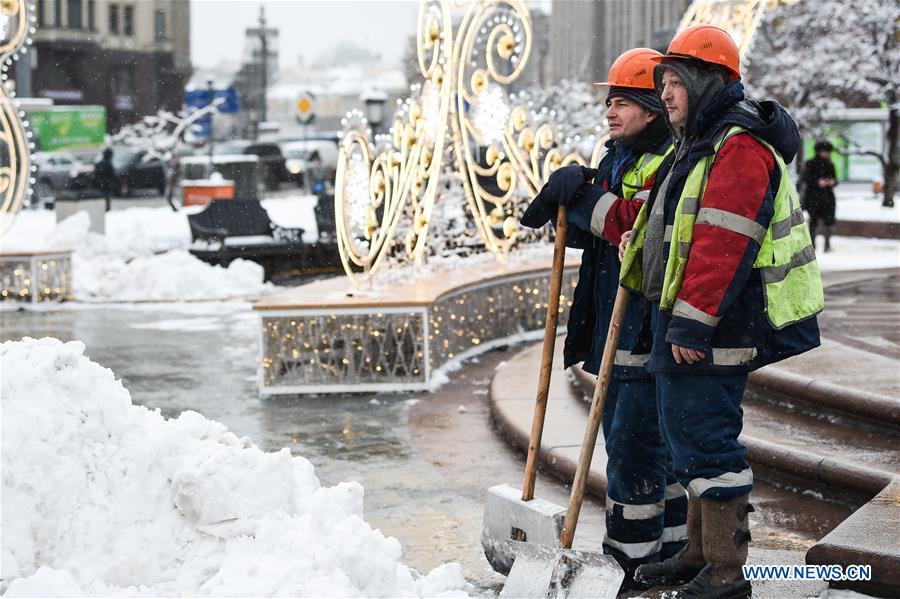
[101,497]
[144,253]
[858,253]
[857,202]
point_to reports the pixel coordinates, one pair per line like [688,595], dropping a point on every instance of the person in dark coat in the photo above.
[105,178]
[818,191]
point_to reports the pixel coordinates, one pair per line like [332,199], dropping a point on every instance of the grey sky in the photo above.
[306,27]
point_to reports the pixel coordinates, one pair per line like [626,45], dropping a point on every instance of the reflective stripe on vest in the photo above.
[786,258]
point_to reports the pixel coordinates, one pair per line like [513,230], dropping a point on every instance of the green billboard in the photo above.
[69,127]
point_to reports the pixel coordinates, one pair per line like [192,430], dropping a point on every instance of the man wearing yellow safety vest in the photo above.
[646,507]
[722,251]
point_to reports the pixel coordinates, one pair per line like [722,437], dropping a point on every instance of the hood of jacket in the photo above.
[767,120]
[703,84]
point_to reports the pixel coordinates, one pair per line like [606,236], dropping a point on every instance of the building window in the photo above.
[41,17]
[73,16]
[57,13]
[159,24]
[91,15]
[113,18]
[128,20]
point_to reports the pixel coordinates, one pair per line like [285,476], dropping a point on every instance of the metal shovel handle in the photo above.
[540,404]
[596,415]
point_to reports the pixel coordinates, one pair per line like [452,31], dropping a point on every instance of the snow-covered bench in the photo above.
[230,229]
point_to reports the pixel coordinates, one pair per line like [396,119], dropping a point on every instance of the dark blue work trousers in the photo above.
[646,508]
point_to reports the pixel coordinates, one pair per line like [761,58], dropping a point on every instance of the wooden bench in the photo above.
[230,229]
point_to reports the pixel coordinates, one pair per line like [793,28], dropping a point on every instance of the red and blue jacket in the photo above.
[719,278]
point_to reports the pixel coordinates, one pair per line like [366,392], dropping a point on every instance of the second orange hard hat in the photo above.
[633,68]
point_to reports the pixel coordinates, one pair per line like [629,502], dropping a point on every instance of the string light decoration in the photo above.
[503,151]
[36,277]
[397,348]
[17,26]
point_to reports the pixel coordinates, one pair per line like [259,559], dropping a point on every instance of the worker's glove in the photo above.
[559,189]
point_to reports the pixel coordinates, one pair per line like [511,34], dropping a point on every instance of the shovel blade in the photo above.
[547,571]
[506,517]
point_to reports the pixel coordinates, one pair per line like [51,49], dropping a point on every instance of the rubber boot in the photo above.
[827,239]
[684,565]
[726,538]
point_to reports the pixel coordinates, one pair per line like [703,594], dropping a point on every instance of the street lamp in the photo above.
[374,101]
[209,95]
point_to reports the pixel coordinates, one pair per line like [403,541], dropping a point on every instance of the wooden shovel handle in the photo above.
[596,415]
[540,404]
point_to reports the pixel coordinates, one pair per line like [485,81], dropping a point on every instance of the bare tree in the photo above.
[818,55]
[159,135]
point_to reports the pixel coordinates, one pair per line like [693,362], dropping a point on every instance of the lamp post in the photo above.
[374,101]
[264,55]
[209,96]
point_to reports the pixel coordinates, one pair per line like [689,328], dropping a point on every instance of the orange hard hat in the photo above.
[709,44]
[633,68]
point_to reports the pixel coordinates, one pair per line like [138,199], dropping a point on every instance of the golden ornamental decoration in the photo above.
[502,152]
[740,18]
[16,24]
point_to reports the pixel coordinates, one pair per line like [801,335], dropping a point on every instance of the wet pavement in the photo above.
[863,311]
[425,460]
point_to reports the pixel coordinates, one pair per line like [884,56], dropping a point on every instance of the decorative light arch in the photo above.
[16,28]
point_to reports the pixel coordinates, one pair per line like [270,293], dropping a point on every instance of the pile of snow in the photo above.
[108,268]
[144,253]
[101,497]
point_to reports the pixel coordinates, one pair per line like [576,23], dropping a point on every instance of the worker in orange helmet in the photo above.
[646,508]
[721,251]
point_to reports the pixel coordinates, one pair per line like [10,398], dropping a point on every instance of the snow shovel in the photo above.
[508,514]
[548,571]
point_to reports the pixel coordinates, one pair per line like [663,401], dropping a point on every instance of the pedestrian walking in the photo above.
[105,178]
[722,251]
[645,505]
[818,183]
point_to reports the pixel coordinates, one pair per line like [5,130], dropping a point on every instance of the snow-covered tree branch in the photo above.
[159,135]
[818,55]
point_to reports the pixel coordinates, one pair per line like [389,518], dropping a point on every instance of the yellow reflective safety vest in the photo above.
[792,283]
[643,170]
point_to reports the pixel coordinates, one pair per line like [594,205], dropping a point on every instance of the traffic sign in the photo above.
[306,108]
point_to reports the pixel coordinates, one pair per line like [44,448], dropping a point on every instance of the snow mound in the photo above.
[101,497]
[124,267]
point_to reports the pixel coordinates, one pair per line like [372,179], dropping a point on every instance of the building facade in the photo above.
[131,56]
[587,36]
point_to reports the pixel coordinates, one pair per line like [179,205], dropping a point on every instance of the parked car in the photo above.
[56,172]
[271,161]
[298,154]
[135,172]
